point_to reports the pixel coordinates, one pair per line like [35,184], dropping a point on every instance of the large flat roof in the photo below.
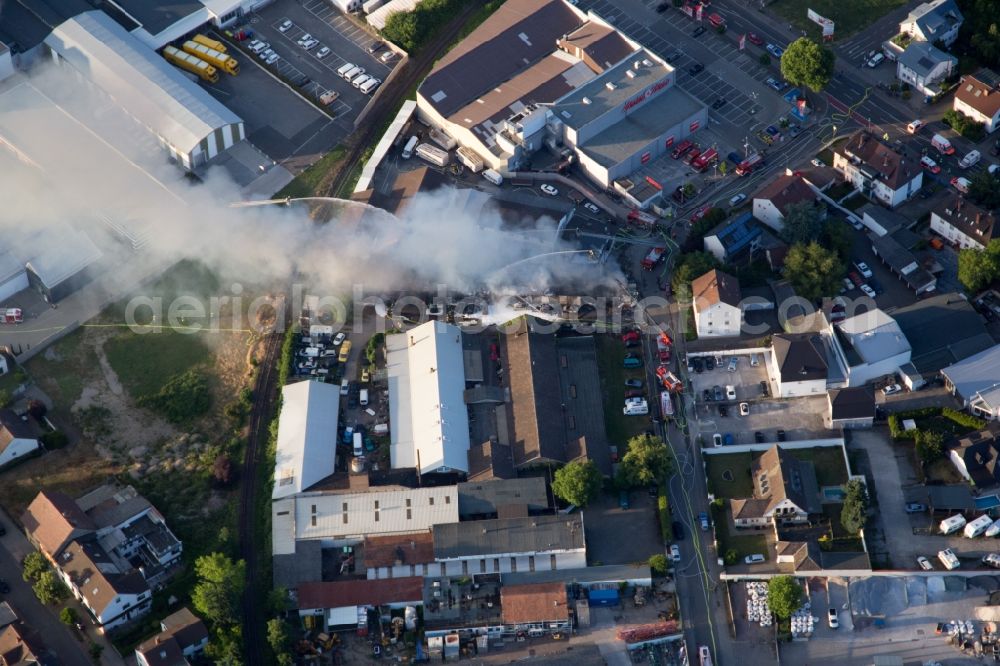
[60,253]
[156,17]
[595,98]
[430,424]
[977,375]
[307,437]
[942,330]
[623,139]
[151,89]
[535,534]
[875,335]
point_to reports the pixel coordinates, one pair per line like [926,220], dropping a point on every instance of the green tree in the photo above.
[803,222]
[837,236]
[984,190]
[764,59]
[813,270]
[68,616]
[723,167]
[691,266]
[219,589]
[404,30]
[646,462]
[731,557]
[5,398]
[930,445]
[784,596]
[964,125]
[806,63]
[979,268]
[277,635]
[658,564]
[49,589]
[34,566]
[577,482]
[225,646]
[855,508]
[95,650]
[182,398]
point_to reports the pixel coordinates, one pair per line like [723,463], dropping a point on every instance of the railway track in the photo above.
[260,416]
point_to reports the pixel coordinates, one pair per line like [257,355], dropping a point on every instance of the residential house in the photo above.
[18,438]
[851,408]
[531,543]
[53,520]
[925,67]
[784,491]
[733,238]
[902,262]
[716,300]
[112,592]
[879,171]
[534,606]
[799,364]
[869,346]
[935,21]
[976,458]
[183,637]
[963,223]
[20,646]
[978,96]
[770,205]
[942,330]
[976,382]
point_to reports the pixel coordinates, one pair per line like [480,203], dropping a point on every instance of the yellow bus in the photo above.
[345,351]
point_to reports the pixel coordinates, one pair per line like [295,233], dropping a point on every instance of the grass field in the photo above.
[849,16]
[144,363]
[744,544]
[738,467]
[829,464]
[620,428]
[65,369]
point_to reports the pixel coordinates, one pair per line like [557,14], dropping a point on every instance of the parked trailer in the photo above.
[442,139]
[197,66]
[468,157]
[210,43]
[432,154]
[952,524]
[977,527]
[408,148]
[949,559]
[11,316]
[993,529]
[226,63]
[371,6]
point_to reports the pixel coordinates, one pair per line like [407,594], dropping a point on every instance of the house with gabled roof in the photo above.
[716,299]
[771,204]
[978,96]
[934,21]
[879,171]
[963,223]
[784,491]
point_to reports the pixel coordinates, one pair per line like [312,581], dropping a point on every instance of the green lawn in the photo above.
[144,362]
[620,428]
[849,16]
[829,464]
[307,182]
[744,544]
[734,465]
[62,377]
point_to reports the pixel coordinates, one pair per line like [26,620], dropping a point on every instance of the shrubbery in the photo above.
[411,30]
[964,125]
[183,396]
[663,510]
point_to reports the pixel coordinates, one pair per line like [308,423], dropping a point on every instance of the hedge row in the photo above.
[961,418]
[663,510]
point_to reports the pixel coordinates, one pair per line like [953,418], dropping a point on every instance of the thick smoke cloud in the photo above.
[61,178]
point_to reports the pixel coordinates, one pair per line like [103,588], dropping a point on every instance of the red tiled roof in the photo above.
[537,602]
[981,96]
[786,190]
[360,592]
[386,551]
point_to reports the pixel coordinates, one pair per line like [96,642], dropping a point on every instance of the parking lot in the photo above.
[609,526]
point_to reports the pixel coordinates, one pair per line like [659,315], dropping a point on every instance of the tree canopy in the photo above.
[803,222]
[784,596]
[577,482]
[984,190]
[33,566]
[219,590]
[979,268]
[647,461]
[691,266]
[813,270]
[49,588]
[855,508]
[806,63]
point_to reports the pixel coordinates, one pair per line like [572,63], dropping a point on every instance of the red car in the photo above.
[630,336]
[700,213]
[494,353]
[856,279]
[754,38]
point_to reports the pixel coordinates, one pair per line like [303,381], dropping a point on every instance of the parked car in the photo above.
[831,618]
[623,500]
[4,586]
[700,30]
[733,362]
[755,39]
[717,439]
[633,383]
[285,26]
[323,52]
[816,162]
[675,552]
[304,38]
[592,208]
[915,507]
[744,409]
[717,390]
[925,564]
[758,437]
[730,392]
[756,558]
[863,269]
[781,435]
[697,365]
[630,336]
[929,164]
[775,83]
[549,190]
[703,520]
[764,388]
[706,395]
[375,46]
[914,126]
[271,59]
[775,50]
[678,529]
[892,389]
[709,363]
[738,199]
[696,67]
[868,291]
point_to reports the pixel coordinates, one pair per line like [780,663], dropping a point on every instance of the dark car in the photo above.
[3,529]
[678,529]
[697,364]
[719,103]
[781,435]
[723,410]
[697,67]
[706,395]
[662,7]
[633,383]
[915,507]
[634,393]
[4,586]
[709,363]
[758,437]
[674,56]
[764,389]
[700,30]
[352,401]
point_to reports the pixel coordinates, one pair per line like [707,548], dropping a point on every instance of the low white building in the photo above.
[798,364]
[934,21]
[925,67]
[772,202]
[430,423]
[976,382]
[17,438]
[978,96]
[307,437]
[869,346]
[963,223]
[716,301]
[877,170]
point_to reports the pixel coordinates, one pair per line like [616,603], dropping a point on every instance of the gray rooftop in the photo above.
[626,137]
[956,497]
[156,17]
[611,573]
[936,17]
[304,566]
[611,89]
[887,219]
[483,497]
[902,261]
[874,335]
[534,534]
[942,330]
[923,57]
[977,376]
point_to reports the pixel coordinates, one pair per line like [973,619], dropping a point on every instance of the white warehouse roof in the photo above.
[977,378]
[307,437]
[378,17]
[427,410]
[62,253]
[152,90]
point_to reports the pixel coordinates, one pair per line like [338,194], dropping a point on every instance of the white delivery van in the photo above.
[344,69]
[970,160]
[358,447]
[360,80]
[369,86]
[977,527]
[344,386]
[952,524]
[363,397]
[352,72]
[942,145]
[493,176]
[408,148]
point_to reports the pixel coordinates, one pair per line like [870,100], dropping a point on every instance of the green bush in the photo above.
[287,354]
[964,125]
[413,29]
[53,440]
[963,419]
[658,564]
[731,557]
[183,397]
[663,511]
[896,427]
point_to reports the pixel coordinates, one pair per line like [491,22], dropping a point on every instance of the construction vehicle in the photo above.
[705,160]
[747,166]
[210,43]
[11,316]
[663,343]
[218,59]
[655,256]
[193,64]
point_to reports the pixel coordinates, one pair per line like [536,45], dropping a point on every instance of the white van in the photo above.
[369,86]
[344,69]
[381,429]
[359,449]
[344,386]
[876,60]
[352,72]
[363,397]
[358,81]
[971,159]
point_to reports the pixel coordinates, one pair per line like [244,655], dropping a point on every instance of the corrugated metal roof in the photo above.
[534,534]
[307,437]
[430,424]
[149,87]
[63,252]
[10,266]
[978,375]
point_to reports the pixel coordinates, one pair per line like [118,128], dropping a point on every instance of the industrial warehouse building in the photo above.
[190,124]
[577,83]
